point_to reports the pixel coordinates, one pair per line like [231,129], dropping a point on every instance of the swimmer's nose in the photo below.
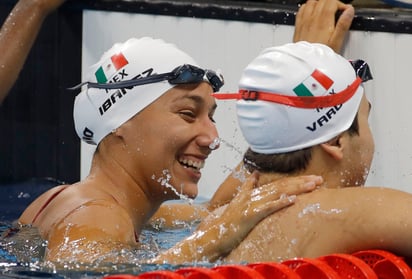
[209,137]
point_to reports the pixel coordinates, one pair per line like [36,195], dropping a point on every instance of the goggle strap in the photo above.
[295,101]
[172,77]
[124,83]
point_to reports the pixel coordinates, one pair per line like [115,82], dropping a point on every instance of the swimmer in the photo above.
[315,121]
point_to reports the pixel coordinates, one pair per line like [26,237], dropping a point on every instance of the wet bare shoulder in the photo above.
[332,220]
[36,206]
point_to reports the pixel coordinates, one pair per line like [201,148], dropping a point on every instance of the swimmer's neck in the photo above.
[331,179]
[332,171]
[108,174]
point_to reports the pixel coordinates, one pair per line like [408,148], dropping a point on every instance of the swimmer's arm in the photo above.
[316,23]
[215,237]
[288,185]
[384,220]
[172,215]
[17,36]
[228,189]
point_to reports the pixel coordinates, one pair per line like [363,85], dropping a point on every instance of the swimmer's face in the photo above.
[171,139]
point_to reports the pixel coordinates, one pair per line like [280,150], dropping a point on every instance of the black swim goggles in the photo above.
[181,75]
[363,74]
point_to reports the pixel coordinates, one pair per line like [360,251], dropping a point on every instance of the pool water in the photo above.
[22,249]
[21,255]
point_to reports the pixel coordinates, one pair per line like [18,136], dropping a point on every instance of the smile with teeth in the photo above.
[192,164]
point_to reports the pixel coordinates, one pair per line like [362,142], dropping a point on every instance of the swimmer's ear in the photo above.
[334,147]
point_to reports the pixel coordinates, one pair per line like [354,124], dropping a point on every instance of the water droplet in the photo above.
[215,144]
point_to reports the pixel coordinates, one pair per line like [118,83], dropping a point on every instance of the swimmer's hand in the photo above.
[324,21]
[217,235]
[230,186]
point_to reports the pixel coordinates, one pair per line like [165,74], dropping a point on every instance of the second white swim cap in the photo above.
[296,96]
[296,70]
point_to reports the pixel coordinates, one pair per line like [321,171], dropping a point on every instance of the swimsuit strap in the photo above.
[48,201]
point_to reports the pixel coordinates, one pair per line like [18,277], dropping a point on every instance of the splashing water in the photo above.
[215,144]
[21,256]
[164,181]
[231,146]
[315,208]
[241,173]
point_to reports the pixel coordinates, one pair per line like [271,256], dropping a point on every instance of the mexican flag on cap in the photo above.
[315,85]
[110,67]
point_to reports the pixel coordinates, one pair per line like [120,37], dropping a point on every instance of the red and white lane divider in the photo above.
[368,264]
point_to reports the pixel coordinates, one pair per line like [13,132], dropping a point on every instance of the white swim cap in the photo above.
[97,112]
[290,72]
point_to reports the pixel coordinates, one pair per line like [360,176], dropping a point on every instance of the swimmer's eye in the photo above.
[212,119]
[188,115]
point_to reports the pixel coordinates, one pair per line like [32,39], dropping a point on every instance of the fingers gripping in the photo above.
[342,26]
[316,22]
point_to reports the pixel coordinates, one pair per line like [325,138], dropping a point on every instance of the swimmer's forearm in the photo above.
[204,245]
[173,215]
[17,36]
